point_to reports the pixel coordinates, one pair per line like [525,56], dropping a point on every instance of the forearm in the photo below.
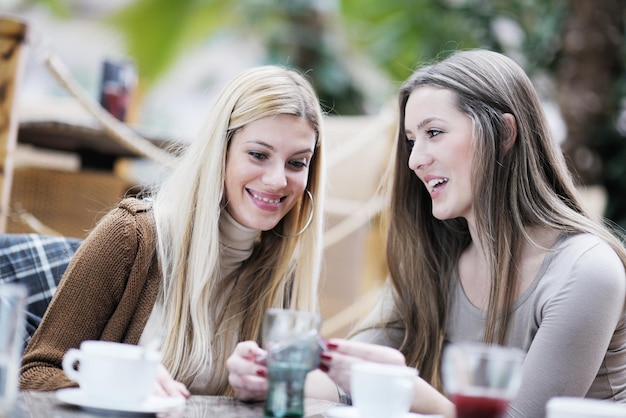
[42,376]
[428,400]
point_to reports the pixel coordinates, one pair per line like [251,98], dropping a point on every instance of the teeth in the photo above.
[265,199]
[436,182]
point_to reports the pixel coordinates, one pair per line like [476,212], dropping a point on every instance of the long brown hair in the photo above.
[527,186]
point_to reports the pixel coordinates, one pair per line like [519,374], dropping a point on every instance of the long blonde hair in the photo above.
[528,186]
[187,209]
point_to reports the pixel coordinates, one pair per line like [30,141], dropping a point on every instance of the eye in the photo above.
[299,164]
[409,144]
[257,155]
[433,132]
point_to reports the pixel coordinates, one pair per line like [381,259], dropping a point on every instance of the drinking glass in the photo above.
[481,379]
[290,338]
[12,317]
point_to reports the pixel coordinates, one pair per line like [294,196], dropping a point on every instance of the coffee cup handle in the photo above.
[72,356]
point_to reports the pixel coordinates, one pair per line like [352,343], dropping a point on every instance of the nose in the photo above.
[275,177]
[419,158]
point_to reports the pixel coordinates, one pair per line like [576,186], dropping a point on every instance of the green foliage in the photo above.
[399,34]
[57,7]
[156,31]
[298,33]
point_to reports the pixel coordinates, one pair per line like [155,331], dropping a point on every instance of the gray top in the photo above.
[570,321]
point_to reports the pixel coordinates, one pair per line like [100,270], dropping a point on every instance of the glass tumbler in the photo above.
[481,379]
[290,338]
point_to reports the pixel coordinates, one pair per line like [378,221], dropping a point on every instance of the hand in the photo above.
[168,387]
[342,354]
[247,377]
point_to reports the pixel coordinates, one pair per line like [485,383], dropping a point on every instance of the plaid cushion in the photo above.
[37,261]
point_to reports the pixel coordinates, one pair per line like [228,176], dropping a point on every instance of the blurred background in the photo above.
[356,53]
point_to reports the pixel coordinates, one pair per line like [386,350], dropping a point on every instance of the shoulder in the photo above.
[585,259]
[131,221]
[587,249]
[131,211]
[134,205]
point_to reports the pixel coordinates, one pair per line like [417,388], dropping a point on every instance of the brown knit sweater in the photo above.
[107,293]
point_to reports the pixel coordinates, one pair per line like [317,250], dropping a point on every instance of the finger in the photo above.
[366,351]
[335,362]
[247,349]
[179,389]
[239,365]
[159,391]
[248,388]
[337,366]
[172,388]
[167,386]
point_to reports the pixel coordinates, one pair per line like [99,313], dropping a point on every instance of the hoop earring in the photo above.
[308,221]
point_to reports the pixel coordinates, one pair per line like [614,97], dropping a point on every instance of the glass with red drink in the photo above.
[481,379]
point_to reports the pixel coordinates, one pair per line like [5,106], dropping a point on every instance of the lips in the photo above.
[270,199]
[434,182]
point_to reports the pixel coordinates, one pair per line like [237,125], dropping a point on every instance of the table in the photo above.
[46,405]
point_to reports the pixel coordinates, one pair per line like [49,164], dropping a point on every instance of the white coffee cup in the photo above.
[570,407]
[115,372]
[382,390]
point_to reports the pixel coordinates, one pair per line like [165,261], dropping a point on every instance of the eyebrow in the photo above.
[426,122]
[423,123]
[272,148]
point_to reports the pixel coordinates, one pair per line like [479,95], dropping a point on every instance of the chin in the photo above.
[442,217]
[262,226]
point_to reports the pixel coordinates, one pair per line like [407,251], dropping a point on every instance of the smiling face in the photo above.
[441,155]
[267,167]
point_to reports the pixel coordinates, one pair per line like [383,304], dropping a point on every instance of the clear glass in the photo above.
[481,379]
[290,338]
[12,317]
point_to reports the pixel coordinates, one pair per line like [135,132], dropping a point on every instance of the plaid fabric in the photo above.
[37,261]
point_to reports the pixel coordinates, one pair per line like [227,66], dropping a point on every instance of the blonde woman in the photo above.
[235,229]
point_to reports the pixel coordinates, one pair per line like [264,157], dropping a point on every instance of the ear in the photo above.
[508,142]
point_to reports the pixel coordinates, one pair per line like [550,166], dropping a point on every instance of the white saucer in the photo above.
[351,412]
[152,405]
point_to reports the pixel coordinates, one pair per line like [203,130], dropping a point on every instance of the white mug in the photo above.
[382,390]
[570,407]
[115,372]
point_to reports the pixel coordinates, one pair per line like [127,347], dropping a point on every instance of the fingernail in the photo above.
[323,367]
[261,372]
[261,359]
[332,346]
[326,356]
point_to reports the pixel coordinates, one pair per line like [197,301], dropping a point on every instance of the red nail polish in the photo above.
[323,368]
[332,346]
[261,372]
[326,356]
